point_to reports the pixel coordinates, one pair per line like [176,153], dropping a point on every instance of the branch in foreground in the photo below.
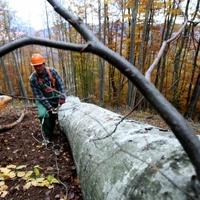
[44,42]
[173,118]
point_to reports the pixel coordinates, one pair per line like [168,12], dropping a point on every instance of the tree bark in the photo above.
[127,160]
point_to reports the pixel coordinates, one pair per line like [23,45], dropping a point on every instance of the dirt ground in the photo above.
[22,147]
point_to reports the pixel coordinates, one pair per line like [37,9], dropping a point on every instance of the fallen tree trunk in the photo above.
[136,161]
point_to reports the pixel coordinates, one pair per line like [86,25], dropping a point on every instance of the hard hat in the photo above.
[37,59]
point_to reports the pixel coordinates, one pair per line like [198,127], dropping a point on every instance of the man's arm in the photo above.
[39,95]
[59,84]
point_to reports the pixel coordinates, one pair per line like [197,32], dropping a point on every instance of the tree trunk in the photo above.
[6,77]
[101,63]
[194,99]
[136,161]
[131,98]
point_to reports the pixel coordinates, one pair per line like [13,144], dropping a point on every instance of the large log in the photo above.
[137,161]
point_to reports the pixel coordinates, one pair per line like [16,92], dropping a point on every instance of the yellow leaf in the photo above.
[4,193]
[17,187]
[4,170]
[3,188]
[37,166]
[52,179]
[21,167]
[45,183]
[50,187]
[12,174]
[11,166]
[39,180]
[2,183]
[27,186]
[21,174]
[34,183]
[36,171]
[28,174]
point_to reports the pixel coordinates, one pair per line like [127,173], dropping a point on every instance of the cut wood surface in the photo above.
[137,161]
[4,100]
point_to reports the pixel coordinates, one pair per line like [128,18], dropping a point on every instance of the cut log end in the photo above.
[4,100]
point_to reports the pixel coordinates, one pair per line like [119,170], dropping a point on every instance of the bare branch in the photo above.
[10,126]
[40,41]
[162,49]
[172,117]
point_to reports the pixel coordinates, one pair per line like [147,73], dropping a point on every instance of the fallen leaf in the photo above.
[27,186]
[3,188]
[28,174]
[21,167]
[36,171]
[11,166]
[2,183]
[21,174]
[4,170]
[52,179]
[17,187]
[45,183]
[12,174]
[39,180]
[4,193]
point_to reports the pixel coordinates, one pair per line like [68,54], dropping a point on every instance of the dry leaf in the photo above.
[27,185]
[12,174]
[28,174]
[4,193]
[11,166]
[21,174]
[4,170]
[21,167]
[2,183]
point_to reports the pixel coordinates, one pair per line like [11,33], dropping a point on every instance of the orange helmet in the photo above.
[37,59]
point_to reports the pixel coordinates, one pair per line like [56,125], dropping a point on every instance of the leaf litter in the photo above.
[29,170]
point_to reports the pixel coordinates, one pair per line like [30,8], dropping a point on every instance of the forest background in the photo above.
[135,29]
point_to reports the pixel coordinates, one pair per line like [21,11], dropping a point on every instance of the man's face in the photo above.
[40,69]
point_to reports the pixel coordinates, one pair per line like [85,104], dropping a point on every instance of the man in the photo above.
[48,89]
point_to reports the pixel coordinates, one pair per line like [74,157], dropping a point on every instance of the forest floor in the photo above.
[30,170]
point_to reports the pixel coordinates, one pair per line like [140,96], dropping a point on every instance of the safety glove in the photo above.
[53,111]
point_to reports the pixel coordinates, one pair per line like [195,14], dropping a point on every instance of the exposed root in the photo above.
[11,125]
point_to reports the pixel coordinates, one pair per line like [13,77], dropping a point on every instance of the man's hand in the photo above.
[53,111]
[61,101]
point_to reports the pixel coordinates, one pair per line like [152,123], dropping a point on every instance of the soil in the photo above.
[22,145]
